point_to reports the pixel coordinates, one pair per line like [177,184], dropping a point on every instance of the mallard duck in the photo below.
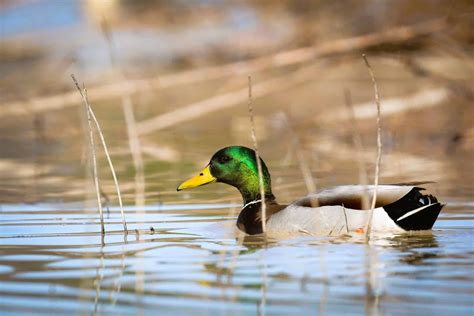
[332,211]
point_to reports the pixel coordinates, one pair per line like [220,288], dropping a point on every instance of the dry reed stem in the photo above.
[109,161]
[345,219]
[257,157]
[379,149]
[83,93]
[357,140]
[371,259]
[286,58]
[112,169]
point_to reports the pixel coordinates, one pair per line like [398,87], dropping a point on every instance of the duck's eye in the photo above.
[224,159]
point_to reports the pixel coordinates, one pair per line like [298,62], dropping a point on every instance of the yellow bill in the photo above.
[202,178]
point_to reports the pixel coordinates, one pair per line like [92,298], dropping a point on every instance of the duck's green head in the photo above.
[236,166]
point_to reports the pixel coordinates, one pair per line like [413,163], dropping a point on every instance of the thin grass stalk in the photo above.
[345,219]
[257,157]
[379,149]
[94,164]
[112,169]
[372,298]
[83,93]
[357,140]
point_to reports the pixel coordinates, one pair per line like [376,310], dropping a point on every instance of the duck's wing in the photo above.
[352,196]
[412,183]
[405,205]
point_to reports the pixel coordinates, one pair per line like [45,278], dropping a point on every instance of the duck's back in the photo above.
[340,210]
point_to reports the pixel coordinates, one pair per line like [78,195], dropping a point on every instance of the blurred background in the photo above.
[168,82]
[165,56]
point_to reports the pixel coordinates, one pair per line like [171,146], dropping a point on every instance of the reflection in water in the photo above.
[117,282]
[416,248]
[98,279]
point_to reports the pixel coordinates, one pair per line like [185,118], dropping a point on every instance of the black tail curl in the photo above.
[414,211]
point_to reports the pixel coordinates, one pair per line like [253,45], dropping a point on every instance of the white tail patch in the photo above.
[414,212]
